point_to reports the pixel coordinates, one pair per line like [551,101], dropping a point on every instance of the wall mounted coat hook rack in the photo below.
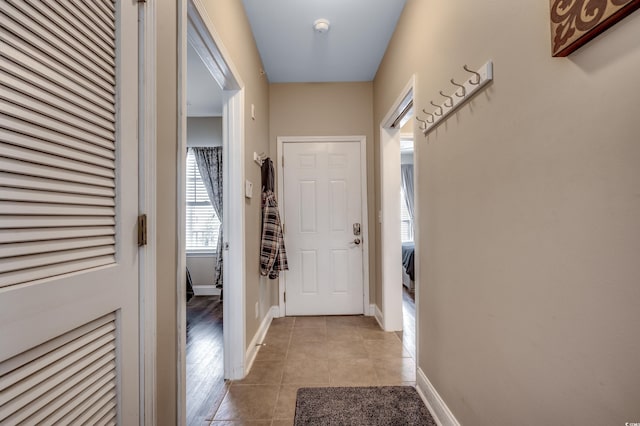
[480,78]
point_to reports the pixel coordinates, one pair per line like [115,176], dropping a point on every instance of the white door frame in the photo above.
[390,316]
[362,140]
[147,205]
[195,26]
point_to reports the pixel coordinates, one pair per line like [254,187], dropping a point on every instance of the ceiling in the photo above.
[351,50]
[204,95]
[292,51]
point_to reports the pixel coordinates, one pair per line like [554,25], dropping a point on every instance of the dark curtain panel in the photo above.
[407,187]
[209,160]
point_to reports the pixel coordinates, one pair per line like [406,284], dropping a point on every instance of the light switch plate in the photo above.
[248,189]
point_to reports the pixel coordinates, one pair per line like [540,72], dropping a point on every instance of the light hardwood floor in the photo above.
[205,369]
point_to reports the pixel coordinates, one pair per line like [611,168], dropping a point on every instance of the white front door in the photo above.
[322,211]
[68,213]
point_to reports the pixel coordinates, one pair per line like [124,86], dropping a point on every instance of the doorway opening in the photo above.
[217,125]
[203,217]
[398,226]
[407,235]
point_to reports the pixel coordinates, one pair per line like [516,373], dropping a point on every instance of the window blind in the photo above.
[202,224]
[406,230]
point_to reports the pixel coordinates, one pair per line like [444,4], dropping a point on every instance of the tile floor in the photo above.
[311,352]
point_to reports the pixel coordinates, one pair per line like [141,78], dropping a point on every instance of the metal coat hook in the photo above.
[430,115]
[437,106]
[464,91]
[475,83]
[259,158]
[422,121]
[450,99]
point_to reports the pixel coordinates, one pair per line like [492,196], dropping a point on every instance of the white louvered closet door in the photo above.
[68,212]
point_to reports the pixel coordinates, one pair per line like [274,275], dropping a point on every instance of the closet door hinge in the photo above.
[285,297]
[142,230]
[282,161]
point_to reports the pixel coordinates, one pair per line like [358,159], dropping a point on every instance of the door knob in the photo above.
[357,241]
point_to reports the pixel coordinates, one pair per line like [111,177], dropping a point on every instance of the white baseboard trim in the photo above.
[275,311]
[206,290]
[372,311]
[258,338]
[436,405]
[379,317]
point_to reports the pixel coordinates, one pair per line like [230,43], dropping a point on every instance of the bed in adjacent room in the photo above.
[408,270]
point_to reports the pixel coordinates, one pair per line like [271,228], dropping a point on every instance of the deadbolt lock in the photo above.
[356,229]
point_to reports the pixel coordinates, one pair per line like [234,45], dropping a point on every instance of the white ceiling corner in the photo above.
[351,50]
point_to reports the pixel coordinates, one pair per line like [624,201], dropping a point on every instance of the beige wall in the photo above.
[529,199]
[201,268]
[231,24]
[204,131]
[327,109]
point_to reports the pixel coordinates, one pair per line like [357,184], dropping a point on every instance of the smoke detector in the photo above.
[321,26]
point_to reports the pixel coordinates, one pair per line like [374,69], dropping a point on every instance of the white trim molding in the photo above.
[147,205]
[434,402]
[258,338]
[206,41]
[275,311]
[377,313]
[181,257]
[234,280]
[362,140]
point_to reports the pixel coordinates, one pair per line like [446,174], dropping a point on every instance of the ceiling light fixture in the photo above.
[321,26]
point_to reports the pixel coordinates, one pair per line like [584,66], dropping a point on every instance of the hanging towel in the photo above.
[273,255]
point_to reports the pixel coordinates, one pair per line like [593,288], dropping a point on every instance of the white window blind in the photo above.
[202,222]
[406,230]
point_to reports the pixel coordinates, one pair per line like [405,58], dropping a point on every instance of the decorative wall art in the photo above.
[575,22]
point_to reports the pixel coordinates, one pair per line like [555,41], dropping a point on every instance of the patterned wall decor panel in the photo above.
[575,22]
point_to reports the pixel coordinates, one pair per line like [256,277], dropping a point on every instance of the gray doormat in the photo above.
[367,406]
